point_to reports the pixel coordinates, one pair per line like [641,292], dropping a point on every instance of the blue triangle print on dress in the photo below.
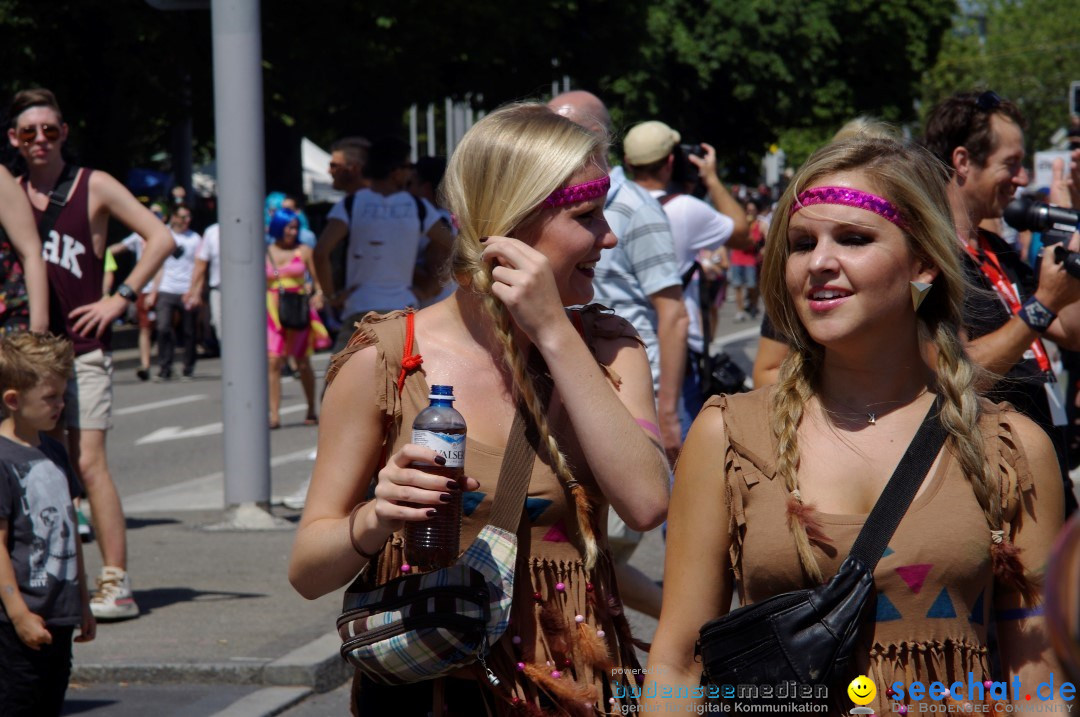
[977,611]
[888,552]
[942,606]
[470,500]
[535,507]
[886,611]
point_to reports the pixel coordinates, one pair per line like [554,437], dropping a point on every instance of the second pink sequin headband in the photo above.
[850,198]
[579,192]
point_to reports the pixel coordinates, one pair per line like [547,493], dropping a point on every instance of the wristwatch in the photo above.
[1036,315]
[127,292]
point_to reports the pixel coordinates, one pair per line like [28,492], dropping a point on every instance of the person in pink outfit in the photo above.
[288,264]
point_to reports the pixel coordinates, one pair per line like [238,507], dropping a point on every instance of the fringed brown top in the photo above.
[935,583]
[548,661]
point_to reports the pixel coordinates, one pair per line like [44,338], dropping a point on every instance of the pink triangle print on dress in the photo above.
[557,534]
[914,575]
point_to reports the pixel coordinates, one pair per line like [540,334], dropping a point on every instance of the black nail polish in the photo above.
[432,513]
[444,497]
[440,460]
[452,485]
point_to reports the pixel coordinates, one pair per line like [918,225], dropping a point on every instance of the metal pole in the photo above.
[449,127]
[238,122]
[431,129]
[414,152]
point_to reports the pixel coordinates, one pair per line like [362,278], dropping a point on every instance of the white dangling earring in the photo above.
[919,290]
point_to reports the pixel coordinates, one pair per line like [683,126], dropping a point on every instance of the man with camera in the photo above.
[664,168]
[980,138]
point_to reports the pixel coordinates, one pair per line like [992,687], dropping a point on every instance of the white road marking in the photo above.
[720,341]
[204,493]
[128,410]
[174,433]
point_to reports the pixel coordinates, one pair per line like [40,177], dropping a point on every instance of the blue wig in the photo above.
[279,220]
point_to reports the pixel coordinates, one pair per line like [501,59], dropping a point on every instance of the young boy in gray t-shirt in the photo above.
[42,581]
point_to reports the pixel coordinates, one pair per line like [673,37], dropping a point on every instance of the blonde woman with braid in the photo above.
[527,188]
[773,486]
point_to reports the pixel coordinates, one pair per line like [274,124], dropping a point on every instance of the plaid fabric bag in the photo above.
[426,626]
[420,627]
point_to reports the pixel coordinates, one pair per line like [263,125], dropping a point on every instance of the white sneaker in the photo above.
[297,499]
[113,599]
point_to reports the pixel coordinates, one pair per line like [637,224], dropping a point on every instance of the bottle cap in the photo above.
[441,393]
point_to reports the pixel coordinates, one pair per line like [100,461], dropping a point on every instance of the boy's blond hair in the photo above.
[27,358]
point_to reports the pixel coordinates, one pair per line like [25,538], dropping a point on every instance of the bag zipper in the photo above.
[414,623]
[480,596]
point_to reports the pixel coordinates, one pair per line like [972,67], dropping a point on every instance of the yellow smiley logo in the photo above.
[861,690]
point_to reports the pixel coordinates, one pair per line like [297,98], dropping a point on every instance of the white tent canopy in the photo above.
[314,163]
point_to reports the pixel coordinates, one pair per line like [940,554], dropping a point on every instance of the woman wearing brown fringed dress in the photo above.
[773,486]
[527,188]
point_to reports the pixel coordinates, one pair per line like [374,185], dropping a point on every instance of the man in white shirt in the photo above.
[134,243]
[386,228]
[208,265]
[167,297]
[651,150]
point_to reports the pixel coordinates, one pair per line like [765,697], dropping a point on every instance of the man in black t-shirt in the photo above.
[1008,309]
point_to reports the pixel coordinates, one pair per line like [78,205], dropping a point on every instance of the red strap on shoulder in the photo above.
[575,319]
[409,360]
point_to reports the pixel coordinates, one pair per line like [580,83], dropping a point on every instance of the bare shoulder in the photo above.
[103,184]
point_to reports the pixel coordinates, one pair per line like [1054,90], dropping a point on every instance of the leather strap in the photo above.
[894,501]
[58,199]
[518,461]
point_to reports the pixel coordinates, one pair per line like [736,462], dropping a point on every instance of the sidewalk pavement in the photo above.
[216,607]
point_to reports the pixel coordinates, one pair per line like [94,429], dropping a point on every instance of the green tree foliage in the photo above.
[741,75]
[1028,51]
[736,74]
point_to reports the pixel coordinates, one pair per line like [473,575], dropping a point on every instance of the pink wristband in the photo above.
[649,426]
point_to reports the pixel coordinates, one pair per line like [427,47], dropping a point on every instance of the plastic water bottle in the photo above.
[433,543]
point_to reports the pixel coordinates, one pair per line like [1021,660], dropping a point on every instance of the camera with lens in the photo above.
[1055,223]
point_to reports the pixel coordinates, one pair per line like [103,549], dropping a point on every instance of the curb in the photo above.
[316,666]
[266,703]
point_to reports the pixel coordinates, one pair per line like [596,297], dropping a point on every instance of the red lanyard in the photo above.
[991,268]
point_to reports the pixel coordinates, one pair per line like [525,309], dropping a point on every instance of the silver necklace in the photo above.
[871,416]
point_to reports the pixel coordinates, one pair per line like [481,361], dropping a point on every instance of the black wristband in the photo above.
[127,292]
[1035,314]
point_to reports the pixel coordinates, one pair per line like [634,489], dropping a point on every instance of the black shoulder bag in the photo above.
[808,636]
[293,308]
[719,373]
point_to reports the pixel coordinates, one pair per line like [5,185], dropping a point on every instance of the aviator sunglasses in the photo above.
[29,133]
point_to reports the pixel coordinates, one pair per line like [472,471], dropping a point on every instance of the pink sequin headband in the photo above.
[579,192]
[850,198]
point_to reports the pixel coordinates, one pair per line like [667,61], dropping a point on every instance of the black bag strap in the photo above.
[894,501]
[518,461]
[58,199]
[421,211]
[349,202]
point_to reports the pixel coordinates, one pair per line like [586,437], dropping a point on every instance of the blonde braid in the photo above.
[792,393]
[524,389]
[957,378]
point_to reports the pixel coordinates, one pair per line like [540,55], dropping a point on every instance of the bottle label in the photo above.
[450,446]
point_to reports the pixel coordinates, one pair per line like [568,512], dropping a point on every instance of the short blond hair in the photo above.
[28,358]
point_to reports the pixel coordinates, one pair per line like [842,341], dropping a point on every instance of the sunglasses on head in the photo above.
[988,101]
[29,133]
